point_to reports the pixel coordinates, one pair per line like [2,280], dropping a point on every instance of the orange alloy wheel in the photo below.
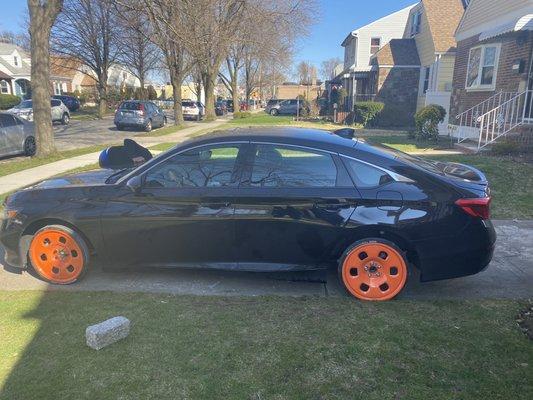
[374,270]
[56,255]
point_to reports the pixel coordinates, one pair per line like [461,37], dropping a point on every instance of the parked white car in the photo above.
[60,112]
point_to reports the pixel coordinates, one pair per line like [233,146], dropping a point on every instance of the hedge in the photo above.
[365,112]
[8,101]
[427,121]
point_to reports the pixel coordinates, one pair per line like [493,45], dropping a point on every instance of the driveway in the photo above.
[510,275]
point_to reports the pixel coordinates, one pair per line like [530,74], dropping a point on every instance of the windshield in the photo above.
[25,104]
[130,105]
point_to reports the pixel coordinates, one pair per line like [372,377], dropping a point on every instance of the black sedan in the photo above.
[276,199]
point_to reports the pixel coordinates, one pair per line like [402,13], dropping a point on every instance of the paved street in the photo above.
[510,275]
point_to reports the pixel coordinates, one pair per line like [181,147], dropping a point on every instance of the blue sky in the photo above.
[338,17]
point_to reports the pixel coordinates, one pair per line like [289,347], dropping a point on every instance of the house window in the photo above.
[427,75]
[375,44]
[57,88]
[4,88]
[415,23]
[482,67]
[15,61]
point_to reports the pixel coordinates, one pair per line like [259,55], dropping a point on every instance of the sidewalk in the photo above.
[26,177]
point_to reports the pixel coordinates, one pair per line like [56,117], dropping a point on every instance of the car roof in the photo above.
[315,138]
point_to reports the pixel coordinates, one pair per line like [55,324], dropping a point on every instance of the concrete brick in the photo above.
[107,332]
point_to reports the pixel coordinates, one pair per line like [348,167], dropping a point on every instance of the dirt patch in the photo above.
[525,321]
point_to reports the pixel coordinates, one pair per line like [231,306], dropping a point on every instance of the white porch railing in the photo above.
[505,117]
[469,119]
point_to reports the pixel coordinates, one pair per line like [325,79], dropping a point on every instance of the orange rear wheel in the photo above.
[373,270]
[58,254]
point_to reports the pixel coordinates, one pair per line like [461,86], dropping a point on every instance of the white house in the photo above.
[361,44]
[15,69]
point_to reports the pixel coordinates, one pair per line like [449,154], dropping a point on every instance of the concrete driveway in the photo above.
[510,275]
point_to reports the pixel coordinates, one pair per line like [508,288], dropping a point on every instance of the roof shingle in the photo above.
[398,52]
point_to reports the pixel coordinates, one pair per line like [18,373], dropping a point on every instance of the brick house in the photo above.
[493,76]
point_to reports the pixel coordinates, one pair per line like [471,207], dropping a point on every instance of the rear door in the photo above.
[291,208]
[3,143]
[57,112]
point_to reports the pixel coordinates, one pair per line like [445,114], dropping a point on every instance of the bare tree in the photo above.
[306,73]
[327,68]
[87,31]
[138,51]
[43,14]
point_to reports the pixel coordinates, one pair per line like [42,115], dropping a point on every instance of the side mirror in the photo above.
[135,184]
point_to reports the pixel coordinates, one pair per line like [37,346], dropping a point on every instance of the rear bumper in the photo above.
[466,253]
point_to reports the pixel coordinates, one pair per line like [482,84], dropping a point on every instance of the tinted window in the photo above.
[280,166]
[25,104]
[204,167]
[367,176]
[7,121]
[56,103]
[188,104]
[130,105]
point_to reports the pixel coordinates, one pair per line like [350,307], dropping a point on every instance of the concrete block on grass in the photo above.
[107,332]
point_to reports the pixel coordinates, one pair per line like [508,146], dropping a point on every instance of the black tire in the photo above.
[30,146]
[120,127]
[79,241]
[164,121]
[148,126]
[65,119]
[274,112]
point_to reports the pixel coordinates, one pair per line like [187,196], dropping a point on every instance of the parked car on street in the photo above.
[192,109]
[24,110]
[16,136]
[263,199]
[229,105]
[220,108]
[139,114]
[72,103]
[287,107]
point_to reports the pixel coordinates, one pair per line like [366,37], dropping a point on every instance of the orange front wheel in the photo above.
[373,270]
[58,254]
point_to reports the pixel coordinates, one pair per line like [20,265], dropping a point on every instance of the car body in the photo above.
[16,136]
[270,199]
[139,114]
[221,108]
[229,105]
[24,110]
[286,107]
[72,103]
[192,109]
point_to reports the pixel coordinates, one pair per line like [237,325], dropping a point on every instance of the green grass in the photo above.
[184,347]
[263,119]
[167,130]
[511,183]
[17,165]
[87,114]
[404,143]
[163,146]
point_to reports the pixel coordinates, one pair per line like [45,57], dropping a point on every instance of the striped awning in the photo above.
[524,23]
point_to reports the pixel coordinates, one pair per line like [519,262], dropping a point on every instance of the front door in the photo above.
[183,215]
[291,208]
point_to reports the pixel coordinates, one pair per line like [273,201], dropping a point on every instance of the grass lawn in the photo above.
[87,114]
[167,130]
[263,119]
[262,348]
[511,183]
[11,167]
[404,143]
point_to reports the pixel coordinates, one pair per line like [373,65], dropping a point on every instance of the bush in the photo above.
[8,101]
[505,148]
[427,120]
[241,114]
[365,112]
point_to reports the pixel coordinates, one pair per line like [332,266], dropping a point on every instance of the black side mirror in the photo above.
[135,184]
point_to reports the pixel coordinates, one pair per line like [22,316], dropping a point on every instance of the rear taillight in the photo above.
[141,107]
[478,207]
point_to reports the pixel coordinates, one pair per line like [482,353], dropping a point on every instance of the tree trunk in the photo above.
[178,111]
[235,94]
[209,88]
[40,26]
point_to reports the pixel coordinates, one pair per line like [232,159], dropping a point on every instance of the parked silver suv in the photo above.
[139,114]
[24,110]
[16,136]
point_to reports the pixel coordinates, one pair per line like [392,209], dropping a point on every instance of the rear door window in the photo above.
[56,103]
[7,121]
[365,175]
[279,166]
[129,105]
